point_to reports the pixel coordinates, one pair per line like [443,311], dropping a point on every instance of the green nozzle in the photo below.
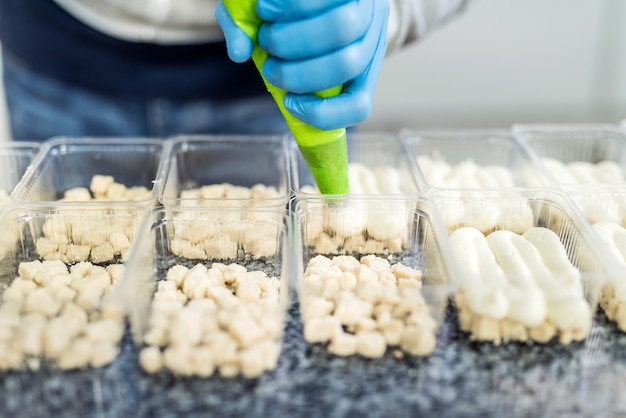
[325,152]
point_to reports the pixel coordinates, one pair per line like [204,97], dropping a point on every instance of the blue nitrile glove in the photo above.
[315,45]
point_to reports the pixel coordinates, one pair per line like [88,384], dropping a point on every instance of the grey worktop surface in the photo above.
[460,379]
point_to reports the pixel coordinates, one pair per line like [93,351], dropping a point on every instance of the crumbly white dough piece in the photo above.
[242,197]
[67,315]
[76,238]
[519,287]
[224,239]
[222,318]
[353,226]
[365,306]
[105,188]
[466,174]
[224,235]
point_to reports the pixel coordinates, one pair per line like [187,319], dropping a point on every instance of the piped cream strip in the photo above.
[517,287]
[613,297]
[526,294]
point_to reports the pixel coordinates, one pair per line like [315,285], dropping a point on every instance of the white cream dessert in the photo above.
[466,174]
[354,226]
[583,172]
[377,180]
[601,207]
[472,209]
[613,297]
[519,287]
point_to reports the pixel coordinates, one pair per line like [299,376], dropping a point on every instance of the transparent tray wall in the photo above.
[158,249]
[196,161]
[483,147]
[66,163]
[67,229]
[15,158]
[406,233]
[518,210]
[369,149]
[590,143]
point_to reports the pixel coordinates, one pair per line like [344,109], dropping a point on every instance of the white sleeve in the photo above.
[411,20]
[153,21]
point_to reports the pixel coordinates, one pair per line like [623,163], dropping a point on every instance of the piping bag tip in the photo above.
[328,164]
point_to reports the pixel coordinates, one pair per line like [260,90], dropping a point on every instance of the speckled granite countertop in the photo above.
[460,379]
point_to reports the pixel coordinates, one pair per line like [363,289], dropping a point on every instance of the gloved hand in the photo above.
[315,45]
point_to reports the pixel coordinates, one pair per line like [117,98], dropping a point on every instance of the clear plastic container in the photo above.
[477,159]
[224,339]
[379,156]
[359,235]
[69,163]
[513,221]
[15,158]
[577,154]
[60,274]
[194,162]
[605,210]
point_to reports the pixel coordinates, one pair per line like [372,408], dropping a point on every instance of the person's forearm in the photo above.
[412,20]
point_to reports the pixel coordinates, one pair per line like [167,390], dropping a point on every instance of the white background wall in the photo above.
[508,61]
[504,62]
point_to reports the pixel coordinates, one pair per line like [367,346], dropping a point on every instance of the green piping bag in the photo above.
[325,152]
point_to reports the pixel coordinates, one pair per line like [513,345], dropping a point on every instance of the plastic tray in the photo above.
[370,150]
[396,230]
[588,143]
[473,151]
[15,158]
[519,210]
[605,210]
[159,248]
[82,234]
[67,163]
[196,161]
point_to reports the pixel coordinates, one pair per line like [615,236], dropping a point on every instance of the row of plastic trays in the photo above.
[414,190]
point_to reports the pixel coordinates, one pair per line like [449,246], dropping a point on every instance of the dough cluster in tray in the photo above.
[365,307]
[64,315]
[223,319]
